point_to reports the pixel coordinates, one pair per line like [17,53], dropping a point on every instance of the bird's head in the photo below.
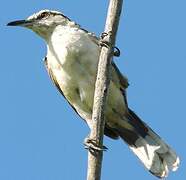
[43,22]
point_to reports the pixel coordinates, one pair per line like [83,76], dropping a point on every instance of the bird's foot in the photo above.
[105,43]
[104,34]
[116,51]
[92,146]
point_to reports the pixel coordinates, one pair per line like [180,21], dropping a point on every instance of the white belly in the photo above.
[73,59]
[74,63]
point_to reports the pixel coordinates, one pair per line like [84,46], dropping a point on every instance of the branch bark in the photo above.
[101,88]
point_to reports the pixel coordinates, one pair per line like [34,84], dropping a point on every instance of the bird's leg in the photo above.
[92,146]
[105,43]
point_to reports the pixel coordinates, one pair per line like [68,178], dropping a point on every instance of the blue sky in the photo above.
[41,136]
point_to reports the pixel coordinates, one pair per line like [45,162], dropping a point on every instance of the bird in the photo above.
[72,62]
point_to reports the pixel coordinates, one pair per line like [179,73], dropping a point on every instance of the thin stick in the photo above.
[101,88]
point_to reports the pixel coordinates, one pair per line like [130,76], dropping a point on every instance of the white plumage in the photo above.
[72,58]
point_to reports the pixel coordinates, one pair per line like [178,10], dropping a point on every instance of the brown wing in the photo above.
[53,78]
[120,80]
[108,131]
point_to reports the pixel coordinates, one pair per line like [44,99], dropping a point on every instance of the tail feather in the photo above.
[154,153]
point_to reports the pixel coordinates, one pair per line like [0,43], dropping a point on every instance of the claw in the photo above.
[103,35]
[91,145]
[116,51]
[106,44]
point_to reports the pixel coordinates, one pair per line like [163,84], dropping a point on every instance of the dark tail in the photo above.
[154,153]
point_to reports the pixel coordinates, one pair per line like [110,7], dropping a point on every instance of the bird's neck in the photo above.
[63,42]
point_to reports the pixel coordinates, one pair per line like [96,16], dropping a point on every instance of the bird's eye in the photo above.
[43,15]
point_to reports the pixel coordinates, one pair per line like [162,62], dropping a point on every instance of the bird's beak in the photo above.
[23,23]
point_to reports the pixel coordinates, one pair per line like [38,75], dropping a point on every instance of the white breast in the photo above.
[73,58]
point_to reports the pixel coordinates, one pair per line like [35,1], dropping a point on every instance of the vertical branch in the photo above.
[101,88]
